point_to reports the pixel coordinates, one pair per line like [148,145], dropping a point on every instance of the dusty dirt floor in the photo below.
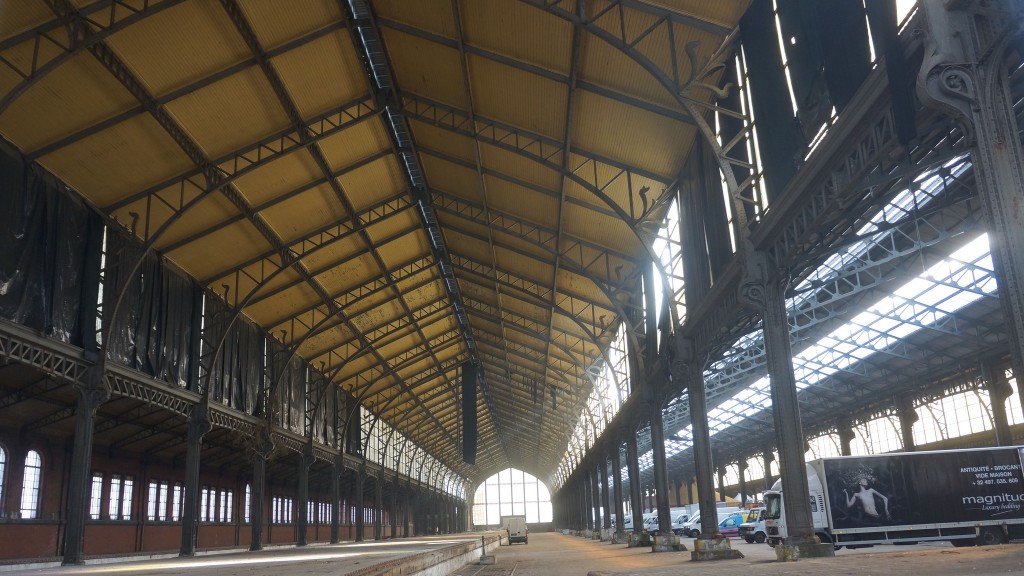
[554,554]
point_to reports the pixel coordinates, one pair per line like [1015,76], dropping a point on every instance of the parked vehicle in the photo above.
[730,526]
[753,530]
[517,530]
[963,496]
[679,521]
[692,526]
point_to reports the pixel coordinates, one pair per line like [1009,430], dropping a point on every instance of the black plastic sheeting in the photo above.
[235,373]
[44,264]
[152,329]
[782,142]
[287,385]
[886,37]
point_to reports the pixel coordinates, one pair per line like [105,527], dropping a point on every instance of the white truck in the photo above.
[967,497]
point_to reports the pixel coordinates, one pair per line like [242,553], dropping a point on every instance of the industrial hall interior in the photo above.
[283,273]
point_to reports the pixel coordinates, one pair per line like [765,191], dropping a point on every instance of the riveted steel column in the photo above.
[337,469]
[594,518]
[769,456]
[92,393]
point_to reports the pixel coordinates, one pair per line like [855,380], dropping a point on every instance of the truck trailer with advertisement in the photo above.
[967,497]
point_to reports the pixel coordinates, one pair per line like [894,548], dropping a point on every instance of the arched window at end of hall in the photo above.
[30,486]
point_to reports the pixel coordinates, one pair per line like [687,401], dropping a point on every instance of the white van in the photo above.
[517,530]
[691,527]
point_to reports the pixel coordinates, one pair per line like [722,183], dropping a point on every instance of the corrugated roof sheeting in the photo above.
[518,98]
[425,67]
[277,22]
[322,73]
[432,15]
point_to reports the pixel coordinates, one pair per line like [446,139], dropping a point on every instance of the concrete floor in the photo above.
[553,554]
[557,555]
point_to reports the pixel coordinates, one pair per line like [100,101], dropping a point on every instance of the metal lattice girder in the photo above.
[537,70]
[532,292]
[593,172]
[178,193]
[371,381]
[585,255]
[73,30]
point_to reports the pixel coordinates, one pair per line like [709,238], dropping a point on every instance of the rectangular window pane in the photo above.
[95,497]
[114,500]
[151,502]
[161,510]
[176,503]
[126,499]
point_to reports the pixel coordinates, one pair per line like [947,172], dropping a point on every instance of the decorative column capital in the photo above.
[93,390]
[199,421]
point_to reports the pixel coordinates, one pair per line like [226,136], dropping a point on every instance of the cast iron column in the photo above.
[965,74]
[633,467]
[692,374]
[92,393]
[360,509]
[337,469]
[198,426]
[998,391]
[264,446]
[742,467]
[606,493]
[769,457]
[594,519]
[378,505]
[907,417]
[660,469]
[620,512]
[846,436]
[305,461]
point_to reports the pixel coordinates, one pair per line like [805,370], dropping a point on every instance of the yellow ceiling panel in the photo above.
[346,275]
[477,288]
[209,213]
[325,340]
[518,98]
[520,166]
[575,285]
[601,229]
[180,45]
[81,90]
[378,316]
[631,135]
[281,176]
[432,15]
[368,185]
[540,39]
[529,247]
[522,202]
[220,249]
[330,254]
[398,251]
[231,113]
[714,11]
[432,140]
[95,166]
[29,16]
[299,215]
[322,74]
[277,22]
[607,66]
[355,143]
[426,68]
[396,226]
[465,246]
[451,178]
[469,228]
[425,295]
[523,267]
[442,325]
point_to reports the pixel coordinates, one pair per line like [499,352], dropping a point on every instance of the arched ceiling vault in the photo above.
[253,144]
